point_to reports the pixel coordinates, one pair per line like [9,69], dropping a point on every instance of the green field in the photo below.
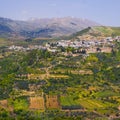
[69,101]
[92,104]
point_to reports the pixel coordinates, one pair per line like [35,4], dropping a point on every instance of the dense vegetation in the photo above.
[84,86]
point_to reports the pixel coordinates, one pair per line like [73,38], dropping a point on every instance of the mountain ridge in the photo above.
[45,27]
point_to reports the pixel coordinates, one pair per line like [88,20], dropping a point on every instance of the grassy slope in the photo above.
[3,42]
[98,31]
[108,31]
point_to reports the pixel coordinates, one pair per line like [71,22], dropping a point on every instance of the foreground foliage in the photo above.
[68,87]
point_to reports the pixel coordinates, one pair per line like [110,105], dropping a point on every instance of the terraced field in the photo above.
[91,104]
[52,102]
[37,103]
[4,103]
[69,101]
[73,87]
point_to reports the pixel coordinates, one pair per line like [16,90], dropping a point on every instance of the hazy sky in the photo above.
[105,12]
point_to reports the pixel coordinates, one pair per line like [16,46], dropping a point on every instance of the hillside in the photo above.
[33,28]
[41,85]
[98,32]
[108,31]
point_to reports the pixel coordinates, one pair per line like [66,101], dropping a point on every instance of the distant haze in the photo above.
[105,12]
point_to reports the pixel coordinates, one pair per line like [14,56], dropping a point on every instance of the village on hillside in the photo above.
[79,46]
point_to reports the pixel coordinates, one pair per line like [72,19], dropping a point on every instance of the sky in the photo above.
[105,12]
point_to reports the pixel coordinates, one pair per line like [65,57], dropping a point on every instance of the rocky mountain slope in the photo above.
[43,27]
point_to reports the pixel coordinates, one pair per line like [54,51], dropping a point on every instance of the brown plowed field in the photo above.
[52,102]
[37,103]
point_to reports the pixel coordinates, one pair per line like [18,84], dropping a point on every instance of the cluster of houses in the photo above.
[21,48]
[91,46]
[87,43]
